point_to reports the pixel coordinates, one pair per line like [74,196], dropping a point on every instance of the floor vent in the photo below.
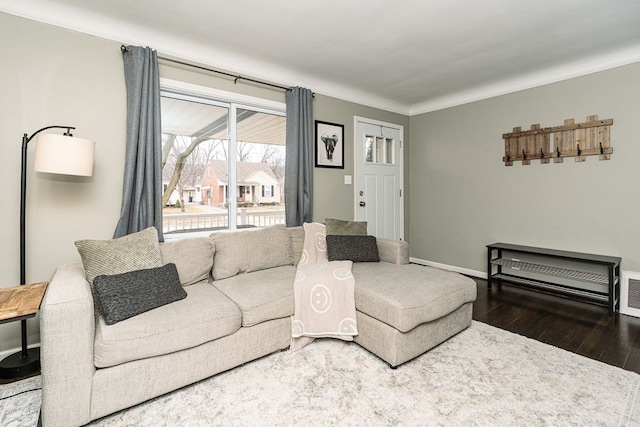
[630,293]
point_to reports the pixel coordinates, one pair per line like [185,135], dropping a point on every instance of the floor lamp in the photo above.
[58,154]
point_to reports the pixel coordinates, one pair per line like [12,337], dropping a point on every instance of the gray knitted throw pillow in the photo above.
[121,296]
[353,248]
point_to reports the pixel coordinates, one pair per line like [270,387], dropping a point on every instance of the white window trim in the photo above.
[220,95]
[183,90]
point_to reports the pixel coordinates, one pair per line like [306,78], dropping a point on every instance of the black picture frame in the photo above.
[329,145]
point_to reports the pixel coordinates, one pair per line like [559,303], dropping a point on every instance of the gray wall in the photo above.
[52,76]
[49,77]
[332,198]
[463,197]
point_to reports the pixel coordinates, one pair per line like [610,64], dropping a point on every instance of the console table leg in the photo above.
[489,267]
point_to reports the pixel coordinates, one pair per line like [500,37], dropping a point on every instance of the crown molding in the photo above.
[75,19]
[78,20]
[568,71]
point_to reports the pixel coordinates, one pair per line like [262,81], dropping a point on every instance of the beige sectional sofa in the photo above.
[238,308]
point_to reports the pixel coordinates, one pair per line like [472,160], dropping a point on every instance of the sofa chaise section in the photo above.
[405,310]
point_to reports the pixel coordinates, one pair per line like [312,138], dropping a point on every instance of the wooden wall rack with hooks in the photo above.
[577,140]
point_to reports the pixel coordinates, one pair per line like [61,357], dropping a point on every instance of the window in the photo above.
[202,189]
[379,150]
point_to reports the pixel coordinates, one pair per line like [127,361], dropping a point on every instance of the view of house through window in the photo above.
[202,189]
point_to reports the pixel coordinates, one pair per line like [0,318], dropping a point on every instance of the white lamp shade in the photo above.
[65,155]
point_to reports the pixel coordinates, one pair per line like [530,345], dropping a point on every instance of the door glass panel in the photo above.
[378,150]
[368,149]
[388,151]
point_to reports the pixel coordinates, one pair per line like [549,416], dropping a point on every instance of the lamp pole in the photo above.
[26,361]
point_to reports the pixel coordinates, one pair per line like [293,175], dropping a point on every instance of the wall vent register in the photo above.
[630,293]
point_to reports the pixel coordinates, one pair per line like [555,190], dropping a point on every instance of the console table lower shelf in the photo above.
[587,277]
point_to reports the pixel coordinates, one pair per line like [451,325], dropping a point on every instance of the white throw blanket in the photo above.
[323,293]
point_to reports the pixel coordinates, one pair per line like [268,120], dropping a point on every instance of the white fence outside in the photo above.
[220,220]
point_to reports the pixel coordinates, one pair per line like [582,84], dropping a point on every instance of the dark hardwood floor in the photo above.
[575,326]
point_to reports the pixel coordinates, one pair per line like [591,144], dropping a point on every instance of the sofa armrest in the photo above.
[393,251]
[67,329]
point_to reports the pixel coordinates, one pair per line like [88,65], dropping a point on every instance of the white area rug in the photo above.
[20,403]
[482,377]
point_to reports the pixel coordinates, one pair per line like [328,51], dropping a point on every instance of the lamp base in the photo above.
[15,366]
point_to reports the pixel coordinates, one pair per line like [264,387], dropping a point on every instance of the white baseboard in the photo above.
[461,270]
[6,353]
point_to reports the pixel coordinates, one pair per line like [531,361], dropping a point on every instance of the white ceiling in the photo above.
[408,56]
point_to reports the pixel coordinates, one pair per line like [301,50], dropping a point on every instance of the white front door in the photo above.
[378,173]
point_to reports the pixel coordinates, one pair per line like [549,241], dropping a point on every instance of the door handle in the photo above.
[362,204]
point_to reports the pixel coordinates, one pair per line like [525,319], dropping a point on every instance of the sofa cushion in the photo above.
[393,251]
[261,295]
[121,296]
[405,296]
[193,258]
[252,249]
[297,241]
[345,228]
[135,251]
[352,248]
[204,315]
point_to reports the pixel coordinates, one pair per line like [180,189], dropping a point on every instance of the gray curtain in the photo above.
[142,192]
[298,186]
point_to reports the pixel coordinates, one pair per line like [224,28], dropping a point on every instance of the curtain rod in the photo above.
[236,77]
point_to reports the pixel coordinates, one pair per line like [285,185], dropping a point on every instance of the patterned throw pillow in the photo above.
[135,251]
[121,296]
[132,252]
[345,228]
[353,248]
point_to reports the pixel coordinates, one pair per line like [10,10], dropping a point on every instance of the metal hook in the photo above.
[541,154]
[524,155]
[601,149]
[579,150]
[558,151]
[235,81]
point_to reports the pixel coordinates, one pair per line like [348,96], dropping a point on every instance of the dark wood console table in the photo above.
[587,277]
